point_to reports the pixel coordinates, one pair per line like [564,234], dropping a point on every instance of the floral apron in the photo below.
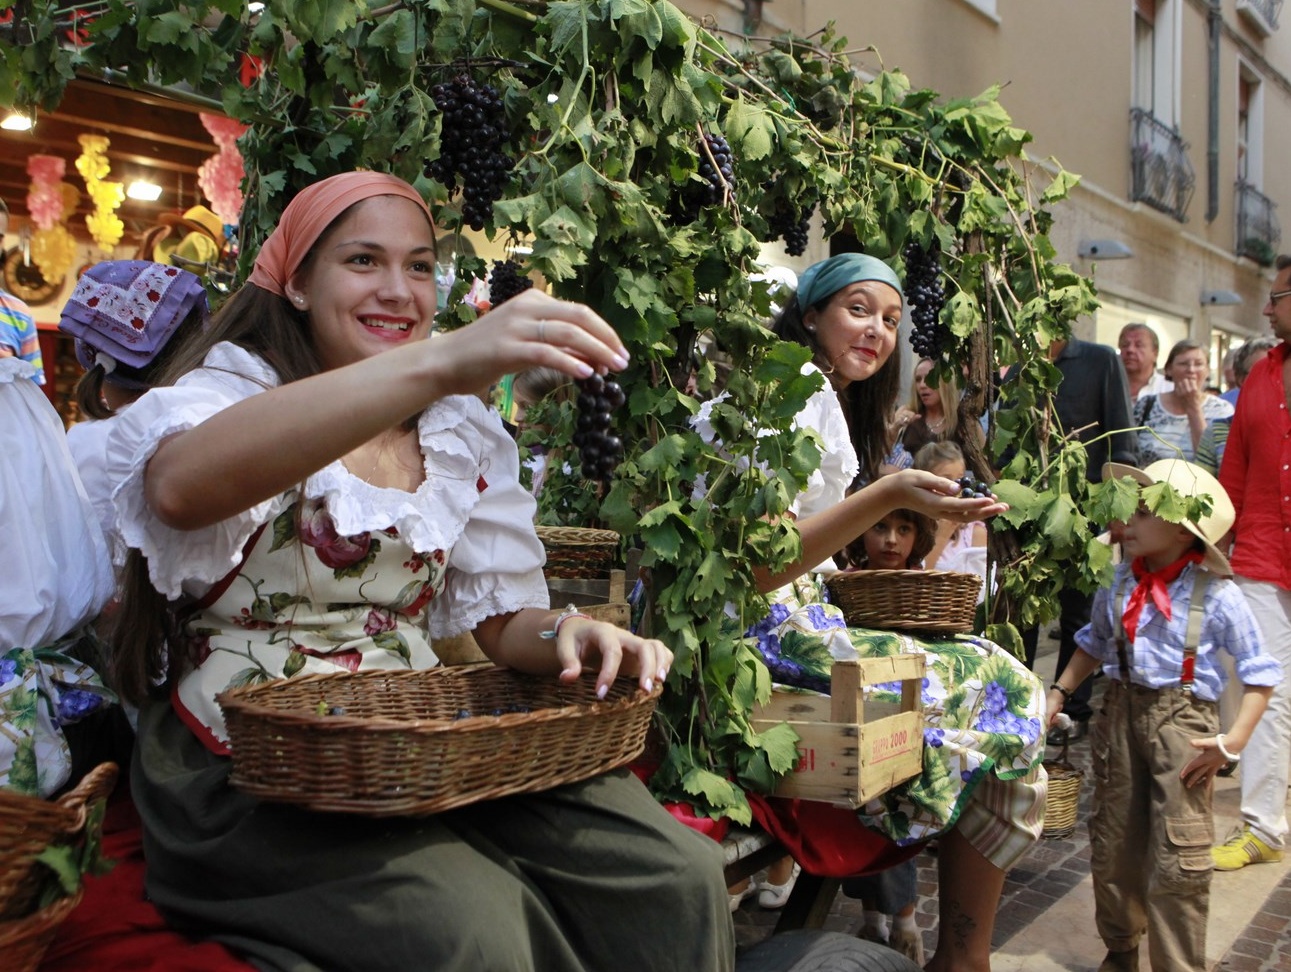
[306,600]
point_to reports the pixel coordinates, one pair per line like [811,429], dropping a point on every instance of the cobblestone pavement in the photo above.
[1050,872]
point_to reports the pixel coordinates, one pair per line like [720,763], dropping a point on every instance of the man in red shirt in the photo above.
[1256,472]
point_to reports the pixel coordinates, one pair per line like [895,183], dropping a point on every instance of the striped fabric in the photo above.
[18,337]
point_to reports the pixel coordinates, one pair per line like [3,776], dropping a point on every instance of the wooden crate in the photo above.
[850,750]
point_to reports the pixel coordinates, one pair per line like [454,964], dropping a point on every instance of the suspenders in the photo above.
[1192,640]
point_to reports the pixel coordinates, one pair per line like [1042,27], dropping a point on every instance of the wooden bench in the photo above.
[749,850]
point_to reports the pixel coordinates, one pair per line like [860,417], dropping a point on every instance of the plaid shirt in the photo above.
[1156,656]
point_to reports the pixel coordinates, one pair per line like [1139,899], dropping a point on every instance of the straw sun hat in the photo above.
[1189,479]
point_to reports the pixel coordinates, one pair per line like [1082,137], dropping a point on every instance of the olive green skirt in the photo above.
[591,876]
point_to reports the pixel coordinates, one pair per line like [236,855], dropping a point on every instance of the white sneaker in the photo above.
[774,896]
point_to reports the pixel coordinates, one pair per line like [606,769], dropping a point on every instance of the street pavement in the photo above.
[1046,918]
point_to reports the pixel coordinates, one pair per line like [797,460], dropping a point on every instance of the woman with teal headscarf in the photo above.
[982,790]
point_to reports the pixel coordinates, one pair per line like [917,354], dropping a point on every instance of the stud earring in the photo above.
[299,299]
[811,328]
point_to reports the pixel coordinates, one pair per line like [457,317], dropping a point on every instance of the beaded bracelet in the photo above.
[570,611]
[1219,744]
[1065,694]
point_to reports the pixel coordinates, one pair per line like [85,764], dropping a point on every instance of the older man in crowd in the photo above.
[1139,349]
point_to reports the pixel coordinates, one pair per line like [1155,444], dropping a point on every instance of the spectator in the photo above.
[1174,420]
[1139,349]
[1210,450]
[1094,401]
[1258,450]
[18,335]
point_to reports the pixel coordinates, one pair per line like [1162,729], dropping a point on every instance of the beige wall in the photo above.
[1067,74]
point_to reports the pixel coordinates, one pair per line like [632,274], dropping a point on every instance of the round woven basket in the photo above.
[578,552]
[419,742]
[24,941]
[939,601]
[29,824]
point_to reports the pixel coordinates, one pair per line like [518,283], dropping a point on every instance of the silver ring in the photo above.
[542,332]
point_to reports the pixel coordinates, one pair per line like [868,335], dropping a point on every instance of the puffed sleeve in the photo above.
[184,560]
[495,565]
[828,484]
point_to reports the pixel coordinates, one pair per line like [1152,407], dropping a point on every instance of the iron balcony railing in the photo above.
[1160,174]
[1262,14]
[1258,230]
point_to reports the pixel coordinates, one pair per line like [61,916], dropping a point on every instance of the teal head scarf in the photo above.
[820,280]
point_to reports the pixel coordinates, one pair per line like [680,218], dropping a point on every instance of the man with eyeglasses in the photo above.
[1256,472]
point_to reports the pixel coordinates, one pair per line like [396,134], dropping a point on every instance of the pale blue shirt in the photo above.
[1156,655]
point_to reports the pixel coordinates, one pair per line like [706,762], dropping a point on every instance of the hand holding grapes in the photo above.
[942,498]
[529,330]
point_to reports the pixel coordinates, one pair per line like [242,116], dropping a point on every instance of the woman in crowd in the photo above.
[123,315]
[318,488]
[933,412]
[982,790]
[1174,420]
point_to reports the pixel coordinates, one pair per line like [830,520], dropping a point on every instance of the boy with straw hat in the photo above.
[1157,632]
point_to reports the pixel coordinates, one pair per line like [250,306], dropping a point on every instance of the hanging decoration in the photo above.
[44,197]
[104,225]
[52,248]
[220,176]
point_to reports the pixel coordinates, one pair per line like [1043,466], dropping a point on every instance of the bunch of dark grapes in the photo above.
[792,227]
[924,291]
[472,135]
[506,281]
[719,179]
[598,448]
[970,487]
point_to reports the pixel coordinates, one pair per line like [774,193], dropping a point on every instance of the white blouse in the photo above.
[471,503]
[56,574]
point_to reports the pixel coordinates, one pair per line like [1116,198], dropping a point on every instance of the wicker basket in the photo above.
[940,601]
[419,742]
[24,941]
[578,551]
[1064,796]
[29,824]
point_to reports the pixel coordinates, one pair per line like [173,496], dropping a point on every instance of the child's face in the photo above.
[951,469]
[888,543]
[1159,542]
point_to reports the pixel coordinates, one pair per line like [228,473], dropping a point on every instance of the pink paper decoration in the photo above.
[45,196]
[220,176]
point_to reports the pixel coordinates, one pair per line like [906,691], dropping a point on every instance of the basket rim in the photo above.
[576,536]
[236,699]
[885,574]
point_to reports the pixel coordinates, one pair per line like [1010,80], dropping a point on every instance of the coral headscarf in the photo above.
[308,216]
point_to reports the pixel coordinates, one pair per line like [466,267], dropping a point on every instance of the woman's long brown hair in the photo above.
[148,646]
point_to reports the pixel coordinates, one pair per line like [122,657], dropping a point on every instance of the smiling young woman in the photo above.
[315,487]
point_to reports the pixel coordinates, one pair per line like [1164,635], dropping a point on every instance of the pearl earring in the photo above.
[811,329]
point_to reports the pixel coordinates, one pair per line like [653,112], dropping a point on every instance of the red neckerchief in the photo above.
[1154,585]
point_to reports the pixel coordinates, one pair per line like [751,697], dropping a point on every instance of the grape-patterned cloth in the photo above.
[983,709]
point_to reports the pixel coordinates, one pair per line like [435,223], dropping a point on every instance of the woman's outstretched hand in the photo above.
[937,496]
[530,330]
[583,643]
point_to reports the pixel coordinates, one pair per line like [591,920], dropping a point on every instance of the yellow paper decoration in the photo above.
[106,228]
[103,224]
[53,250]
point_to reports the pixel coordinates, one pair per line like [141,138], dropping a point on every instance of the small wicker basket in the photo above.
[29,824]
[1064,796]
[419,742]
[578,552]
[938,601]
[24,941]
